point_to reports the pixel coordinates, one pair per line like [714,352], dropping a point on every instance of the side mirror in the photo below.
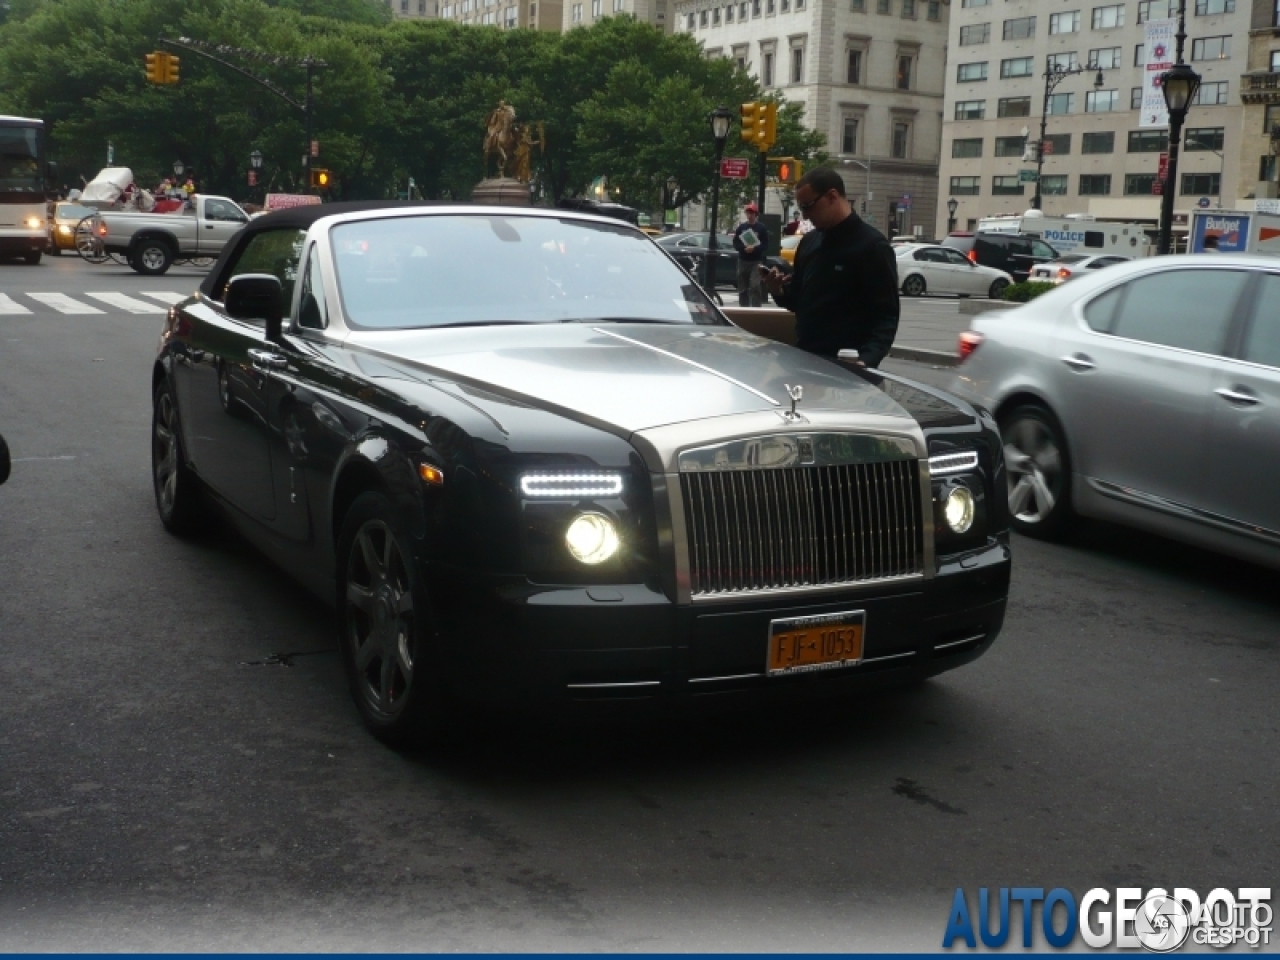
[257,296]
[4,460]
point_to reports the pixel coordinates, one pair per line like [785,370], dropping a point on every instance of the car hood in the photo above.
[628,377]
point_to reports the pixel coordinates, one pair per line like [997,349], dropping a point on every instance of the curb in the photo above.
[938,358]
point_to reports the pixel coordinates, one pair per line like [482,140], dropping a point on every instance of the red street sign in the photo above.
[315,148]
[253,178]
[1157,187]
[1162,171]
[734,168]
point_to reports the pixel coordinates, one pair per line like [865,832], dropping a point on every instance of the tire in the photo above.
[1039,472]
[151,258]
[32,257]
[998,288]
[179,498]
[913,286]
[385,627]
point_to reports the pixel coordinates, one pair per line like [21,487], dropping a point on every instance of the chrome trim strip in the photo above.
[888,656]
[942,464]
[809,589]
[686,360]
[956,643]
[778,451]
[736,676]
[1184,511]
[612,686]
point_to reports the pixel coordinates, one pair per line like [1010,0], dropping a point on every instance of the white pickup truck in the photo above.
[153,241]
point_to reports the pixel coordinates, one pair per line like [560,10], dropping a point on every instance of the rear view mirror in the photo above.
[256,296]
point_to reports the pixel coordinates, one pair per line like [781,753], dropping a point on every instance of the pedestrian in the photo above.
[791,228]
[844,286]
[1211,243]
[751,240]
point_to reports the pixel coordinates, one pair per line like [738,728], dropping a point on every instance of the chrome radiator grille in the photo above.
[807,526]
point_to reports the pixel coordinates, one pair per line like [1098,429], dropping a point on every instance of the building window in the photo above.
[849,136]
[1102,142]
[1206,8]
[882,6]
[1053,185]
[690,17]
[1270,117]
[1060,103]
[974,34]
[904,73]
[715,14]
[575,14]
[1104,58]
[755,8]
[1275,61]
[1155,10]
[1108,18]
[909,9]
[511,17]
[971,109]
[1020,29]
[1064,22]
[1148,141]
[799,5]
[1057,145]
[1140,55]
[967,147]
[766,78]
[853,67]
[797,65]
[1135,98]
[901,140]
[1014,107]
[1205,138]
[769,7]
[1095,184]
[404,6]
[1138,184]
[974,3]
[702,18]
[858,6]
[1017,67]
[1063,61]
[971,72]
[964,186]
[1211,48]
[1211,94]
[1010,146]
[1202,184]
[1267,168]
[933,10]
[1006,187]
[1101,101]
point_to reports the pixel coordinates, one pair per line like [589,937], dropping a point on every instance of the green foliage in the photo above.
[1022,292]
[399,99]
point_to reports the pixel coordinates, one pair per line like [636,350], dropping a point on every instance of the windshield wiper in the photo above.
[673,323]
[478,323]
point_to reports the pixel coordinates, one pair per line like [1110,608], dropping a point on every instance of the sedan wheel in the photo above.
[1035,457]
[997,289]
[384,624]
[179,498]
[913,286]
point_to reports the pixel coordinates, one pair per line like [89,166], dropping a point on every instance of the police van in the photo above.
[1075,233]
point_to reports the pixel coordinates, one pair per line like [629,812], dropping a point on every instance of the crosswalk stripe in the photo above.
[126,303]
[11,306]
[167,297]
[63,304]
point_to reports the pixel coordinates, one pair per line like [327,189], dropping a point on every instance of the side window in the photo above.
[1101,311]
[276,252]
[1262,340]
[1189,309]
[1041,249]
[312,313]
[1095,238]
[221,210]
[955,259]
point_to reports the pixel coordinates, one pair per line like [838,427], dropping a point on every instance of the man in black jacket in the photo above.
[844,289]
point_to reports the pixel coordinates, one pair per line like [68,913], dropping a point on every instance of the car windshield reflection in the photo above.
[439,271]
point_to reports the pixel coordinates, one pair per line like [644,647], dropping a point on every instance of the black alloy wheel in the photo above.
[385,625]
[998,288]
[913,286]
[151,257]
[179,499]
[1039,472]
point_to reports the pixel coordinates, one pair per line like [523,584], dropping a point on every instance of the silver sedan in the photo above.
[1147,394]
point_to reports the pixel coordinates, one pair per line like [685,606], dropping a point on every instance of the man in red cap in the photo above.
[751,241]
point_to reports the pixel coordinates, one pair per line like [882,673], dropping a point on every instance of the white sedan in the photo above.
[1064,268]
[929,268]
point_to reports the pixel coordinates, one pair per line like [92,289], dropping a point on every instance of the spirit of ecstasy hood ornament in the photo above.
[795,393]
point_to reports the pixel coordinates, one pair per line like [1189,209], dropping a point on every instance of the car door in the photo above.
[968,276]
[222,381]
[1243,462]
[1133,376]
[222,220]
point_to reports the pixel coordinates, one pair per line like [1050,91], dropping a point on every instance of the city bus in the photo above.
[24,230]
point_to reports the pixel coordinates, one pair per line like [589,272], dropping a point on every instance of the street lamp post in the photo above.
[951,214]
[1054,74]
[1179,85]
[720,119]
[255,164]
[672,187]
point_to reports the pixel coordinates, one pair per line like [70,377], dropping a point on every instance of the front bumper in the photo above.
[509,641]
[14,242]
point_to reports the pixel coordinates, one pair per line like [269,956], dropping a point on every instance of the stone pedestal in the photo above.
[501,192]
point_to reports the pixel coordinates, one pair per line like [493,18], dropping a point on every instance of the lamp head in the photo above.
[720,119]
[255,158]
[179,168]
[1179,85]
[951,206]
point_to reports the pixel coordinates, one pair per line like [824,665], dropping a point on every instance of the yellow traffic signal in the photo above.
[770,133]
[171,68]
[785,170]
[752,123]
[321,179]
[155,67]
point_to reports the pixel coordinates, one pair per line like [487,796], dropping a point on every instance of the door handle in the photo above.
[266,360]
[1240,395]
[1078,362]
[208,226]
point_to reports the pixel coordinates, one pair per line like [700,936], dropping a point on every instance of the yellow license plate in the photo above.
[823,642]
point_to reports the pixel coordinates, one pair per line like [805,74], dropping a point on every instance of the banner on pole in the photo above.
[1157,59]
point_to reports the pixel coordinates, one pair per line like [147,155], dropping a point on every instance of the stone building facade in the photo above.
[583,13]
[1260,94]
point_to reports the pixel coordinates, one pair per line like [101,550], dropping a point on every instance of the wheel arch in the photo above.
[153,233]
[1024,396]
[374,464]
[914,272]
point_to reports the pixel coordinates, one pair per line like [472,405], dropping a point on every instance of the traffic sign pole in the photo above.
[764,166]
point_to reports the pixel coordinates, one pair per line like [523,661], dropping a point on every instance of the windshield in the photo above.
[73,211]
[435,271]
[20,163]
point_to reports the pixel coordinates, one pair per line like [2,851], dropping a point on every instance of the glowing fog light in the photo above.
[958,510]
[591,538]
[572,485]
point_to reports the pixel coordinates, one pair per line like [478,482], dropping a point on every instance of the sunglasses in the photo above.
[806,207]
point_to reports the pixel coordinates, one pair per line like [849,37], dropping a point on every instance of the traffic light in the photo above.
[770,126]
[752,123]
[321,179]
[155,67]
[785,170]
[171,68]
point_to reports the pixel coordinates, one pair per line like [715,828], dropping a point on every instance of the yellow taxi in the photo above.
[787,250]
[62,225]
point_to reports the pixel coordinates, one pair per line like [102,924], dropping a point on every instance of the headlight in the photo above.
[958,510]
[591,538]
[34,222]
[64,229]
[571,485]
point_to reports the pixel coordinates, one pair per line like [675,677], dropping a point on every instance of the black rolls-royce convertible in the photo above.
[527,459]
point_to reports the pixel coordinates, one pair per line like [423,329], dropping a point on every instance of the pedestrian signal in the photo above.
[321,179]
[785,170]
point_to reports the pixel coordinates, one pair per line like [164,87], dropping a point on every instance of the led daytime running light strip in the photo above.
[571,484]
[945,463]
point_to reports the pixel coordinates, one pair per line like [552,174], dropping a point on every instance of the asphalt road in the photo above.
[165,785]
